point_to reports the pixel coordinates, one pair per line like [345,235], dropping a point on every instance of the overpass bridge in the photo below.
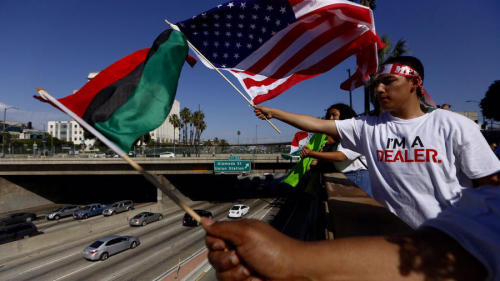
[261,163]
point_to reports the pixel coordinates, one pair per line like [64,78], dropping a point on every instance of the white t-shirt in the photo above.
[352,163]
[474,222]
[420,166]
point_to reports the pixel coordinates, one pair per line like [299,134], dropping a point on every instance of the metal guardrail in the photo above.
[148,151]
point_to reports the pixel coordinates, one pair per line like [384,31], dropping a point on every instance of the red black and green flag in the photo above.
[134,95]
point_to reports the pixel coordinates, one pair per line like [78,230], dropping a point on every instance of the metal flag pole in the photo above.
[173,26]
[159,182]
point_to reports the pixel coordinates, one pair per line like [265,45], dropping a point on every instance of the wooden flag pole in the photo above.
[159,182]
[173,26]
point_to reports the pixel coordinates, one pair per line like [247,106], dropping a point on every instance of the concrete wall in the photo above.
[14,197]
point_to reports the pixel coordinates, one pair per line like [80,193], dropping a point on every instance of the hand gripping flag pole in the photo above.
[159,182]
[173,26]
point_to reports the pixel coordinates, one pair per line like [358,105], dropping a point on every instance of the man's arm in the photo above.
[488,180]
[253,250]
[301,121]
[333,156]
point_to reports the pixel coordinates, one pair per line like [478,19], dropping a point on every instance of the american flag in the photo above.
[269,46]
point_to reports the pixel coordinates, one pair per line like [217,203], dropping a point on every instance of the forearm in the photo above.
[334,156]
[306,122]
[424,254]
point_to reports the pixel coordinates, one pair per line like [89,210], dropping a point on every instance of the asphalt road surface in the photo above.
[163,244]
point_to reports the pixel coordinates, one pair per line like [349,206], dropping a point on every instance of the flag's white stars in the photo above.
[216,33]
[249,46]
[252,26]
[228,33]
[228,25]
[254,17]
[214,55]
[230,5]
[225,55]
[263,30]
[193,26]
[204,25]
[216,24]
[238,45]
[204,15]
[277,22]
[260,40]
[205,32]
[273,32]
[216,16]
[267,18]
[282,10]
[241,16]
[236,56]
[223,66]
[239,34]
[216,44]
[227,44]
[195,33]
[229,16]
[240,25]
[218,6]
[269,8]
[250,36]
[256,7]
[243,5]
[205,43]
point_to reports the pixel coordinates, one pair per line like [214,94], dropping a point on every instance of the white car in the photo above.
[167,155]
[238,210]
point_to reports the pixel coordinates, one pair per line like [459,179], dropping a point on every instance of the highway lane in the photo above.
[162,243]
[78,242]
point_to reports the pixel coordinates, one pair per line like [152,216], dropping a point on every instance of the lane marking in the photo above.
[71,273]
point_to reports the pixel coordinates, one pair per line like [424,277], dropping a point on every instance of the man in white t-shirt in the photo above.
[419,162]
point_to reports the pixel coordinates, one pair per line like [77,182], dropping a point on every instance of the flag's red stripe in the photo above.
[298,137]
[352,11]
[284,43]
[295,2]
[300,56]
[294,79]
[79,101]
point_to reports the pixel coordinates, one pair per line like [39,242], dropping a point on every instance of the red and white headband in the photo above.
[401,70]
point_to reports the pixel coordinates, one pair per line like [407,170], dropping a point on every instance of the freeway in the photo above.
[163,243]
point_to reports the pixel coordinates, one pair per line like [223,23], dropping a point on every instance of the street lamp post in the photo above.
[4,127]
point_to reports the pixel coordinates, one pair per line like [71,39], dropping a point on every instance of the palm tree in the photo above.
[185,118]
[238,133]
[399,49]
[176,122]
[198,122]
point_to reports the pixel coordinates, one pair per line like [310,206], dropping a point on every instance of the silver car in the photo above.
[118,207]
[144,218]
[105,247]
[62,212]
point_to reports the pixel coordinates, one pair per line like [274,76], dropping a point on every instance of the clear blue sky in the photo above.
[55,44]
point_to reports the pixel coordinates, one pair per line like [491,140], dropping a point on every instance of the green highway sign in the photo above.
[232,166]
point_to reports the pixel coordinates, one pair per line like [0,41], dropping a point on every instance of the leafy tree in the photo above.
[207,143]
[489,104]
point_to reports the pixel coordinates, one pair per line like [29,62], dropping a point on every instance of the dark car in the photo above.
[18,218]
[189,221]
[13,232]
[89,211]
